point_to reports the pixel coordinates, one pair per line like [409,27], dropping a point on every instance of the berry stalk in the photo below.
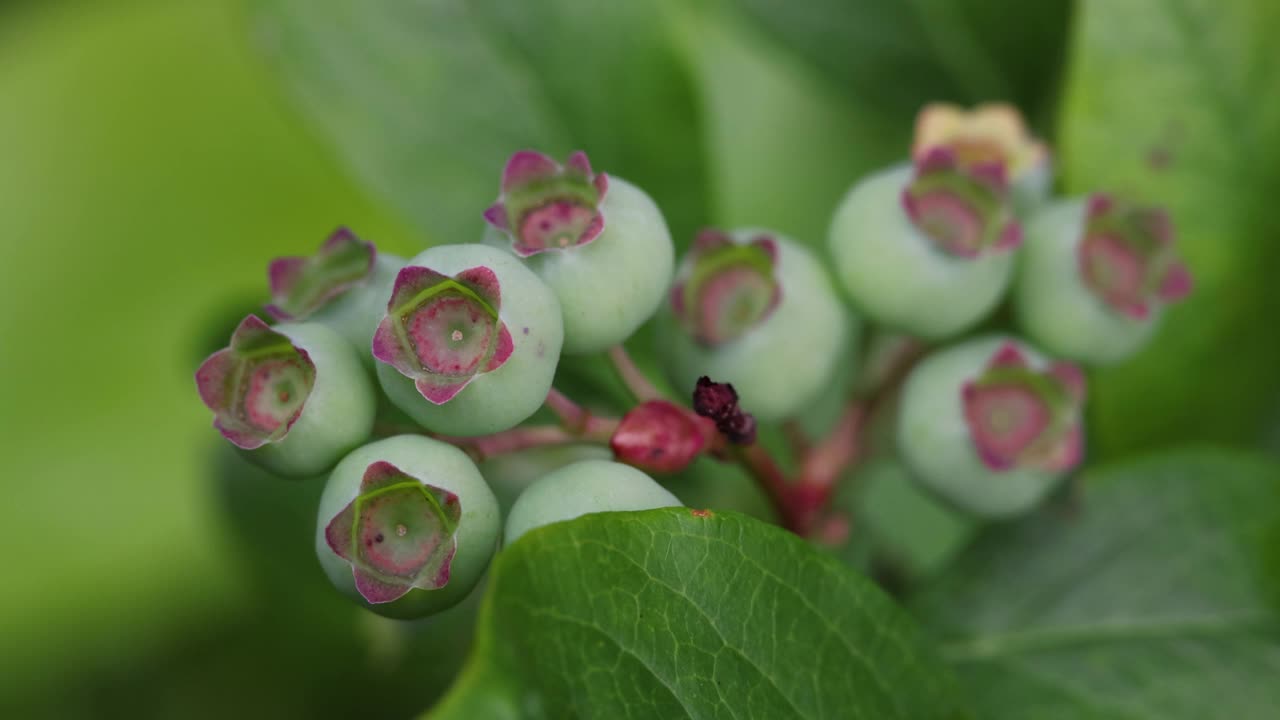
[632,376]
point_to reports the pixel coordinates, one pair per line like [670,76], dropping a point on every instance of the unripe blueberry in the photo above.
[926,251]
[990,425]
[469,342]
[756,310]
[1095,276]
[600,243]
[406,526]
[509,474]
[990,133]
[294,398]
[589,486]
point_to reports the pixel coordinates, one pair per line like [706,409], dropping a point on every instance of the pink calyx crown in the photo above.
[398,534]
[301,285]
[965,210]
[442,332]
[545,206]
[725,288]
[1127,257]
[257,386]
[1023,417]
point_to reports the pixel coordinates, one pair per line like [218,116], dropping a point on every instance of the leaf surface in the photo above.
[672,613]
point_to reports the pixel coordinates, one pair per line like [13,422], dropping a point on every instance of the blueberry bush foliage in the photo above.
[770,360]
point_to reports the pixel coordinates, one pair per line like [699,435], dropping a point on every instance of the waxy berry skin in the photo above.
[497,399]
[433,463]
[937,440]
[1057,307]
[781,364]
[336,412]
[897,276]
[588,486]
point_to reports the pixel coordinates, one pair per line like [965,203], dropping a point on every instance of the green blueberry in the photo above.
[406,526]
[756,310]
[508,474]
[589,486]
[990,425]
[1094,278]
[898,275]
[469,342]
[599,242]
[293,398]
[1030,189]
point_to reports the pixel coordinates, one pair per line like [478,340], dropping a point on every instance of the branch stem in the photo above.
[524,438]
[757,462]
[631,376]
[571,415]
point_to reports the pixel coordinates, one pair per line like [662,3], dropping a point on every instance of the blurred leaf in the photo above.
[784,143]
[667,614]
[1154,602]
[148,168]
[900,55]
[801,99]
[426,100]
[1174,102]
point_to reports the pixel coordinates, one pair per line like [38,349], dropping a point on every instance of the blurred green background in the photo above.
[152,162]
[148,169]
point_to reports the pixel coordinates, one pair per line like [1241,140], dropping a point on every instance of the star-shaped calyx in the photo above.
[964,209]
[1021,417]
[257,386]
[443,331]
[546,206]
[398,534]
[725,288]
[301,285]
[1127,257]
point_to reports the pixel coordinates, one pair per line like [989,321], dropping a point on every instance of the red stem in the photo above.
[822,465]
[571,414]
[797,438]
[761,466]
[631,376]
[524,438]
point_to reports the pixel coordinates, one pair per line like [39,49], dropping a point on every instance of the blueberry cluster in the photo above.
[454,349]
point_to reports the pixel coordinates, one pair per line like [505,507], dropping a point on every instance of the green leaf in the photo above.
[800,100]
[899,55]
[153,209]
[1156,599]
[783,142]
[1174,102]
[669,613]
[426,100]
